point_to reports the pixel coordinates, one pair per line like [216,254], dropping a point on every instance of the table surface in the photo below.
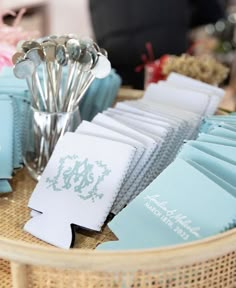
[229,101]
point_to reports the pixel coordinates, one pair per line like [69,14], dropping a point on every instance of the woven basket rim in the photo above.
[156,259]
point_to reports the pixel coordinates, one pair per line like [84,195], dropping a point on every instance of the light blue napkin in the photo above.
[179,206]
[222,132]
[220,181]
[6,142]
[20,107]
[228,123]
[226,153]
[220,168]
[5,187]
[204,137]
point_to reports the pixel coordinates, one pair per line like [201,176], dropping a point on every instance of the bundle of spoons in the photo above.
[69,65]
[58,71]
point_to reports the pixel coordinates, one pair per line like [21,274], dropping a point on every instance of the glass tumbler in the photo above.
[41,134]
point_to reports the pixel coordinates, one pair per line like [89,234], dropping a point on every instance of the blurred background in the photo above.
[52,16]
[133,35]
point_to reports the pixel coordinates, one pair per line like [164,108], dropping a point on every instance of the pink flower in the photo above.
[10,36]
[6,52]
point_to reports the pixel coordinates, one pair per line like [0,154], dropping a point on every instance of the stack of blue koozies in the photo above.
[14,104]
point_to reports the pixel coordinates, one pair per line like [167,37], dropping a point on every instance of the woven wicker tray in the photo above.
[30,262]
[26,261]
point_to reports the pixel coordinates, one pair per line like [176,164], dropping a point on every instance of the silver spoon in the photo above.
[24,69]
[27,45]
[17,57]
[49,50]
[74,51]
[62,60]
[36,55]
[86,63]
[101,70]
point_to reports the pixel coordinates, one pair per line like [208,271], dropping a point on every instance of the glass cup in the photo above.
[41,134]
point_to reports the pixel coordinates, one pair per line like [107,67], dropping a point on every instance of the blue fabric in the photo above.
[100,96]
